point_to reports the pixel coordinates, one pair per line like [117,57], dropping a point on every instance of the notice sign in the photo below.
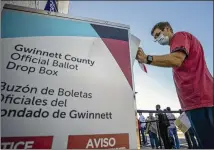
[62,78]
[100,141]
[26,142]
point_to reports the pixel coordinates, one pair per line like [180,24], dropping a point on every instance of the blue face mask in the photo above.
[163,40]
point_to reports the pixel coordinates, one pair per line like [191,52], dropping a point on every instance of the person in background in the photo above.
[152,131]
[172,129]
[139,126]
[142,127]
[171,139]
[145,133]
[193,81]
[163,124]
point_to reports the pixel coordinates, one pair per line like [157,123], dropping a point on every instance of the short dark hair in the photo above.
[168,108]
[158,106]
[161,26]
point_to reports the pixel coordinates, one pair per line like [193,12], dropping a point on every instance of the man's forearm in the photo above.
[165,61]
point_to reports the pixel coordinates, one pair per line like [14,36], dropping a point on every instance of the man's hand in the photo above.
[141,56]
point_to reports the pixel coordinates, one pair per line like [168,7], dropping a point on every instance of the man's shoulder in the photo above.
[182,33]
[179,39]
[170,115]
[173,115]
[142,117]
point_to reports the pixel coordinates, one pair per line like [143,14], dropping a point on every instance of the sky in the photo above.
[157,86]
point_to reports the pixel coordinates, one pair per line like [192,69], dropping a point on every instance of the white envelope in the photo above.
[134,44]
[183,123]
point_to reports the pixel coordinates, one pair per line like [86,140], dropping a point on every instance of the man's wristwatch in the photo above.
[149,59]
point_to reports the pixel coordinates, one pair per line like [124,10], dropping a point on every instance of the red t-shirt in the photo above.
[193,81]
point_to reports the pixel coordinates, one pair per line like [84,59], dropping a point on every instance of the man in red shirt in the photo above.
[193,81]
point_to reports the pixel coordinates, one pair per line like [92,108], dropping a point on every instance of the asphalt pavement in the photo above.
[183,143]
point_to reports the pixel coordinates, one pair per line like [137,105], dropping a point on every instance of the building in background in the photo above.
[63,6]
